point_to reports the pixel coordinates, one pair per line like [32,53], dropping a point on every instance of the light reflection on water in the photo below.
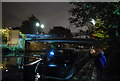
[19,59]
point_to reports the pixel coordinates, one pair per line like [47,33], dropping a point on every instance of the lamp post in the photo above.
[39,27]
[42,25]
[37,24]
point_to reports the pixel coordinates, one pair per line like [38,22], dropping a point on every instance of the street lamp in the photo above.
[39,27]
[37,24]
[93,22]
[42,25]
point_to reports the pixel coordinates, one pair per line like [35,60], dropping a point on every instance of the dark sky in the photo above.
[49,13]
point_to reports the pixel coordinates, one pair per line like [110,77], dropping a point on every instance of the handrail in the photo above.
[34,62]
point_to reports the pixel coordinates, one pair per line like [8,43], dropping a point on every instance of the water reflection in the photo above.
[18,63]
[19,59]
[13,64]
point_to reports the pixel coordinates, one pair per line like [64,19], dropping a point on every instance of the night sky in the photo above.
[49,13]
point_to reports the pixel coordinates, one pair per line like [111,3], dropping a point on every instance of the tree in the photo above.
[29,26]
[16,28]
[61,32]
[81,33]
[100,31]
[107,13]
[4,33]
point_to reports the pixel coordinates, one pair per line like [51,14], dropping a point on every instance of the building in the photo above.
[14,36]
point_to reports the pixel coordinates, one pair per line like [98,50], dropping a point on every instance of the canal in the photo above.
[22,66]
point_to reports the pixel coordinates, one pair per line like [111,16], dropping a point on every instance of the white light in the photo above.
[58,45]
[37,24]
[93,21]
[38,75]
[35,61]
[6,70]
[42,25]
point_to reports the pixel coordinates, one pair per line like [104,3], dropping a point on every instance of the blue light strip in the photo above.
[60,41]
[52,65]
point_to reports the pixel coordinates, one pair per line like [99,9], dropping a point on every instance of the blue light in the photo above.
[36,55]
[68,77]
[52,53]
[52,65]
[65,64]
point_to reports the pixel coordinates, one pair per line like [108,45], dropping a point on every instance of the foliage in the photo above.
[21,44]
[5,35]
[100,31]
[3,66]
[61,32]
[82,34]
[17,48]
[22,35]
[5,46]
[29,26]
[14,49]
[106,13]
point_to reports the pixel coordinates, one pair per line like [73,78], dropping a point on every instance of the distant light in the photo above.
[38,75]
[10,28]
[52,65]
[61,51]
[58,45]
[37,24]
[42,25]
[36,55]
[6,70]
[52,53]
[92,51]
[65,64]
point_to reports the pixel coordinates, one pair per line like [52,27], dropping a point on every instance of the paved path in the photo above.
[87,73]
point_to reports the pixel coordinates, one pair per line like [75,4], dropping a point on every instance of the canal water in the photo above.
[15,64]
[21,66]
